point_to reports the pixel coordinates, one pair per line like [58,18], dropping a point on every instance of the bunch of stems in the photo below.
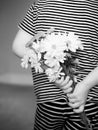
[68,70]
[83,116]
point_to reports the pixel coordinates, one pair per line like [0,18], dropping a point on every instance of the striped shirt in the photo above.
[79,16]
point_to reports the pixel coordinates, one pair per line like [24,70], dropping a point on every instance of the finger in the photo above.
[67,90]
[71,96]
[65,81]
[59,81]
[80,109]
[75,105]
[69,84]
[72,100]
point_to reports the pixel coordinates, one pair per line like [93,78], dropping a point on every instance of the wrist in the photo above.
[84,85]
[88,83]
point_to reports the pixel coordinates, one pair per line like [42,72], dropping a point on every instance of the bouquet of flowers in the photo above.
[54,53]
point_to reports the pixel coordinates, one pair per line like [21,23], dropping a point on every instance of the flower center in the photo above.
[54,46]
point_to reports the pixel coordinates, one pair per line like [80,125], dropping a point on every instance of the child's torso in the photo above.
[79,16]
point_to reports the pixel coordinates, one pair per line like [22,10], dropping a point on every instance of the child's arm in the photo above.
[20,41]
[78,98]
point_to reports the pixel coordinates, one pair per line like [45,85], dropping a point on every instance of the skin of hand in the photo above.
[78,98]
[65,84]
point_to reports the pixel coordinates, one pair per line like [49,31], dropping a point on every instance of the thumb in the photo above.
[70,95]
[80,109]
[59,81]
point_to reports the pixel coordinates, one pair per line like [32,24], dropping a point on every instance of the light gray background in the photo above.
[11,12]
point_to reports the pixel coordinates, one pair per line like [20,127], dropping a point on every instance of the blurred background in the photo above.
[17,100]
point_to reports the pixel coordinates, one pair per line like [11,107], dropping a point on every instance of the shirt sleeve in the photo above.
[27,23]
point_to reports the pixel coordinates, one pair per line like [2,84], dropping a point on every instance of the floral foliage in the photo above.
[52,52]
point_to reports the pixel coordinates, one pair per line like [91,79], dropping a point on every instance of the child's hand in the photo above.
[65,84]
[78,98]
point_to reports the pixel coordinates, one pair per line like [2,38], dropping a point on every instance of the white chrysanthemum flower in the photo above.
[60,56]
[25,59]
[54,43]
[36,46]
[37,65]
[24,62]
[34,59]
[54,73]
[52,61]
[73,42]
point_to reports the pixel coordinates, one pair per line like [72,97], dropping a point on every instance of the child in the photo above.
[81,17]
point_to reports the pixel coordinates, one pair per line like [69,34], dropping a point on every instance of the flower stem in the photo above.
[83,116]
[86,121]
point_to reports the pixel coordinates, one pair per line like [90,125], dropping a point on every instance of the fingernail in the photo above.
[67,95]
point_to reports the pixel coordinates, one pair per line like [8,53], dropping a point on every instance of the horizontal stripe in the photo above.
[59,115]
[79,16]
